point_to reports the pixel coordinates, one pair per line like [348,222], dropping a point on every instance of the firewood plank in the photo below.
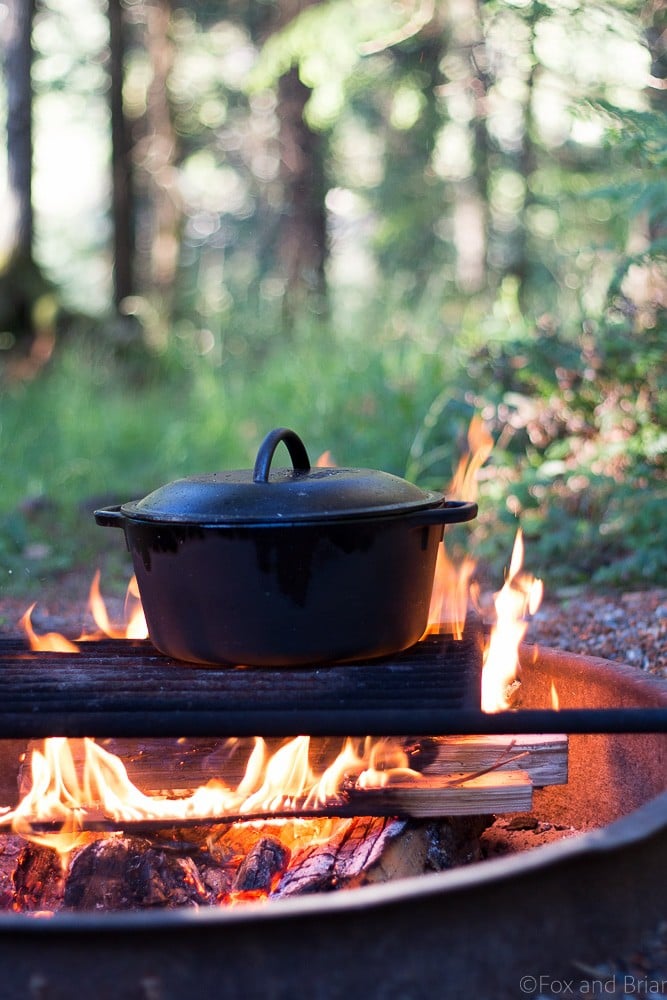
[164,764]
[427,796]
[156,765]
[544,757]
[457,795]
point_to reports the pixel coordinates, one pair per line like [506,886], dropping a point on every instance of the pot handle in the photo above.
[294,445]
[110,517]
[450,512]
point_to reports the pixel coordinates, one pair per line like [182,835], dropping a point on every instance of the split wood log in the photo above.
[158,765]
[544,757]
[452,795]
[425,796]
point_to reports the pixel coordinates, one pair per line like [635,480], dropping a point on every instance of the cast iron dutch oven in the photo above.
[285,566]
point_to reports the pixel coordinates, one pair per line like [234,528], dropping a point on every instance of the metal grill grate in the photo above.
[126,688]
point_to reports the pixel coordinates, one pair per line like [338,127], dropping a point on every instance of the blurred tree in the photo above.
[18,57]
[410,197]
[300,245]
[145,202]
[654,15]
[122,196]
[156,156]
[23,287]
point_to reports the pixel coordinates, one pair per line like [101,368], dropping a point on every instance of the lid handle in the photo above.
[294,445]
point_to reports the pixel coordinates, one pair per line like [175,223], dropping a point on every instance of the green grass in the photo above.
[395,394]
[93,429]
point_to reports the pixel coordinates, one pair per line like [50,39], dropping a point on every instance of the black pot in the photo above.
[285,566]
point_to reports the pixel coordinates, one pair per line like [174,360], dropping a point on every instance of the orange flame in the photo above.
[280,782]
[55,795]
[135,619]
[452,581]
[53,641]
[521,595]
[480,445]
[450,594]
[134,626]
[452,587]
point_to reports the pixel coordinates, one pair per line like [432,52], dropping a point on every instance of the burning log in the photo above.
[84,785]
[366,851]
[39,880]
[128,873]
[156,765]
[246,861]
[259,869]
[342,859]
[115,873]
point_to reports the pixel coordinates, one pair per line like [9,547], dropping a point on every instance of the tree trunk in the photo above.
[18,65]
[301,243]
[156,153]
[302,235]
[122,208]
[21,282]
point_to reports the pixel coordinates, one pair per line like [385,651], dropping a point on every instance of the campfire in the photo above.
[264,820]
[260,818]
[125,823]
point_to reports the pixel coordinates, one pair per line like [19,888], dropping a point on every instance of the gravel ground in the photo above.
[630,628]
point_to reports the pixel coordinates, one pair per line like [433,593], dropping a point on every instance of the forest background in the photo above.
[370,221]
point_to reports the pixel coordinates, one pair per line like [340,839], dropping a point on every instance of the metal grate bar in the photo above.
[127,688]
[123,688]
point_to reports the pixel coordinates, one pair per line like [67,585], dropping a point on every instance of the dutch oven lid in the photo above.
[264,495]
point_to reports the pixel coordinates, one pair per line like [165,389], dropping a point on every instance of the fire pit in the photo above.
[493,928]
[483,926]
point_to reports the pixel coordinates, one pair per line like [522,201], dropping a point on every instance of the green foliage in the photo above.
[497,207]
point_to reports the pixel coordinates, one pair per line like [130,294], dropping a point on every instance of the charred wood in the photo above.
[132,873]
[120,873]
[323,867]
[260,868]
